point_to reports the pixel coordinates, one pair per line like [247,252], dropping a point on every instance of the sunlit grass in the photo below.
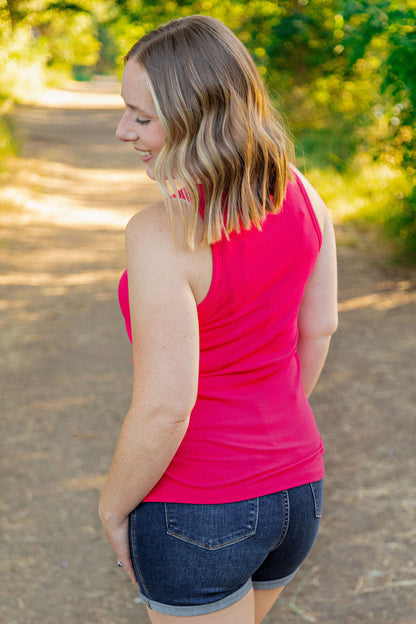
[366,192]
[369,195]
[8,141]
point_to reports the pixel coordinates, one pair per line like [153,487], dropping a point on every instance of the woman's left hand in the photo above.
[117,532]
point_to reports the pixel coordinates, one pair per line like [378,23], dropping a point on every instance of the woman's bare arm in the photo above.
[318,316]
[166,359]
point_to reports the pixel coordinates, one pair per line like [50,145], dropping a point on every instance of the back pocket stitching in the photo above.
[229,542]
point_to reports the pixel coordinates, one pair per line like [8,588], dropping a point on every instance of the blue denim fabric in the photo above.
[195,559]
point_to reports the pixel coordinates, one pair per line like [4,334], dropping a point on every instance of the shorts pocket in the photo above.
[212,526]
[317,488]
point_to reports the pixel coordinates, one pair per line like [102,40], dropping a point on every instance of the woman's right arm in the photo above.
[318,315]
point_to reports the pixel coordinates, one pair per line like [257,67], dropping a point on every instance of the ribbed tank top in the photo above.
[251,431]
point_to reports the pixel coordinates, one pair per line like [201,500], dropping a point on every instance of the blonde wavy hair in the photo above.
[222,131]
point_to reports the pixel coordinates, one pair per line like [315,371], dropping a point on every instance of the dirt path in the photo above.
[65,384]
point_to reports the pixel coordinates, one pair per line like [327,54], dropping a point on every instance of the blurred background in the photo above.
[343,72]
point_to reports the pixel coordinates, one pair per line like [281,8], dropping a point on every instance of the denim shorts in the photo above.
[192,559]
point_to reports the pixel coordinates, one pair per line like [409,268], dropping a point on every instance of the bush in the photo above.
[400,224]
[8,143]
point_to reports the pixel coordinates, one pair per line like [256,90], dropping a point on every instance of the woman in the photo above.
[214,495]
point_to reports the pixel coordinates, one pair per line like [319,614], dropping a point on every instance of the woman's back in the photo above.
[250,399]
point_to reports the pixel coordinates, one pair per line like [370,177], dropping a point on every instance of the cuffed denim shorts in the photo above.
[196,559]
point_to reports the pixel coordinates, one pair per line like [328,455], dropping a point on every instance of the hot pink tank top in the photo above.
[252,431]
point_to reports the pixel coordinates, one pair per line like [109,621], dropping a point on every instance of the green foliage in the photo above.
[343,72]
[8,145]
[401,226]
[39,38]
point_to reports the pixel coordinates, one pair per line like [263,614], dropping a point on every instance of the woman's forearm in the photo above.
[145,448]
[312,353]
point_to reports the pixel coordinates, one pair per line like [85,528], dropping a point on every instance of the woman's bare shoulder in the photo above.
[152,224]
[151,218]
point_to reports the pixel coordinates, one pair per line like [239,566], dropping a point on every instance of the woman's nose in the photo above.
[125,131]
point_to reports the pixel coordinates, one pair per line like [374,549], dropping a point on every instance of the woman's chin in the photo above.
[150,172]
